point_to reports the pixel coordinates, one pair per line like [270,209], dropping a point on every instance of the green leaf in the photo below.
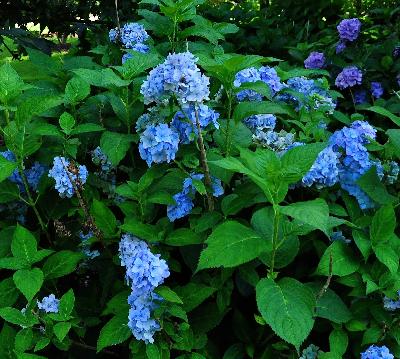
[61,329]
[183,237]
[152,351]
[23,245]
[14,316]
[67,122]
[65,307]
[387,256]
[6,168]
[101,78]
[193,294]
[8,293]
[61,264]
[338,342]
[11,84]
[41,344]
[8,191]
[139,63]
[382,111]
[114,332]
[24,340]
[115,145]
[314,213]
[7,337]
[161,198]
[394,137]
[344,262]
[168,294]
[144,231]
[76,90]
[373,187]
[28,281]
[104,218]
[330,306]
[13,263]
[288,307]
[35,106]
[247,109]
[383,225]
[230,245]
[87,127]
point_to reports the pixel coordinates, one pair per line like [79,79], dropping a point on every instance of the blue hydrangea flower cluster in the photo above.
[315,60]
[62,173]
[132,35]
[375,352]
[349,29]
[277,141]
[85,238]
[158,143]
[376,89]
[33,174]
[360,97]
[99,158]
[308,94]
[324,172]
[350,76]
[185,122]
[340,47]
[311,352]
[260,122]
[390,304]
[349,143]
[177,76]
[183,200]
[338,236]
[393,173]
[144,272]
[266,74]
[49,304]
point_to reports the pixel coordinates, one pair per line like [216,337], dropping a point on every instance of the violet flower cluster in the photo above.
[315,60]
[144,272]
[349,77]
[349,29]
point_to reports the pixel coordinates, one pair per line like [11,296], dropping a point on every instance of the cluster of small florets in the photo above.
[308,94]
[311,352]
[338,236]
[186,124]
[392,174]
[396,52]
[266,74]
[32,175]
[375,352]
[260,122]
[49,304]
[63,171]
[315,60]
[158,143]
[132,36]
[144,272]
[390,304]
[177,76]
[376,89]
[349,77]
[85,245]
[349,143]
[184,199]
[99,158]
[349,29]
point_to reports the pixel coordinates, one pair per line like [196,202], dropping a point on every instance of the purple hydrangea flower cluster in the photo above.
[85,238]
[49,304]
[158,143]
[396,52]
[266,74]
[315,60]
[308,94]
[99,158]
[185,122]
[63,174]
[33,174]
[375,352]
[349,29]
[376,89]
[183,200]
[349,143]
[350,76]
[178,76]
[390,304]
[144,272]
[261,122]
[340,47]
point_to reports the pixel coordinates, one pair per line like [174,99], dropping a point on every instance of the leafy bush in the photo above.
[165,197]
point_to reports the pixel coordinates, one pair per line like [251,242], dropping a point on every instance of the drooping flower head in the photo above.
[158,143]
[315,60]
[376,89]
[63,171]
[177,76]
[349,77]
[185,122]
[349,29]
[375,352]
[49,304]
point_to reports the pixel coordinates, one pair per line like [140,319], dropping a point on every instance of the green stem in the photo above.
[7,113]
[228,127]
[275,236]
